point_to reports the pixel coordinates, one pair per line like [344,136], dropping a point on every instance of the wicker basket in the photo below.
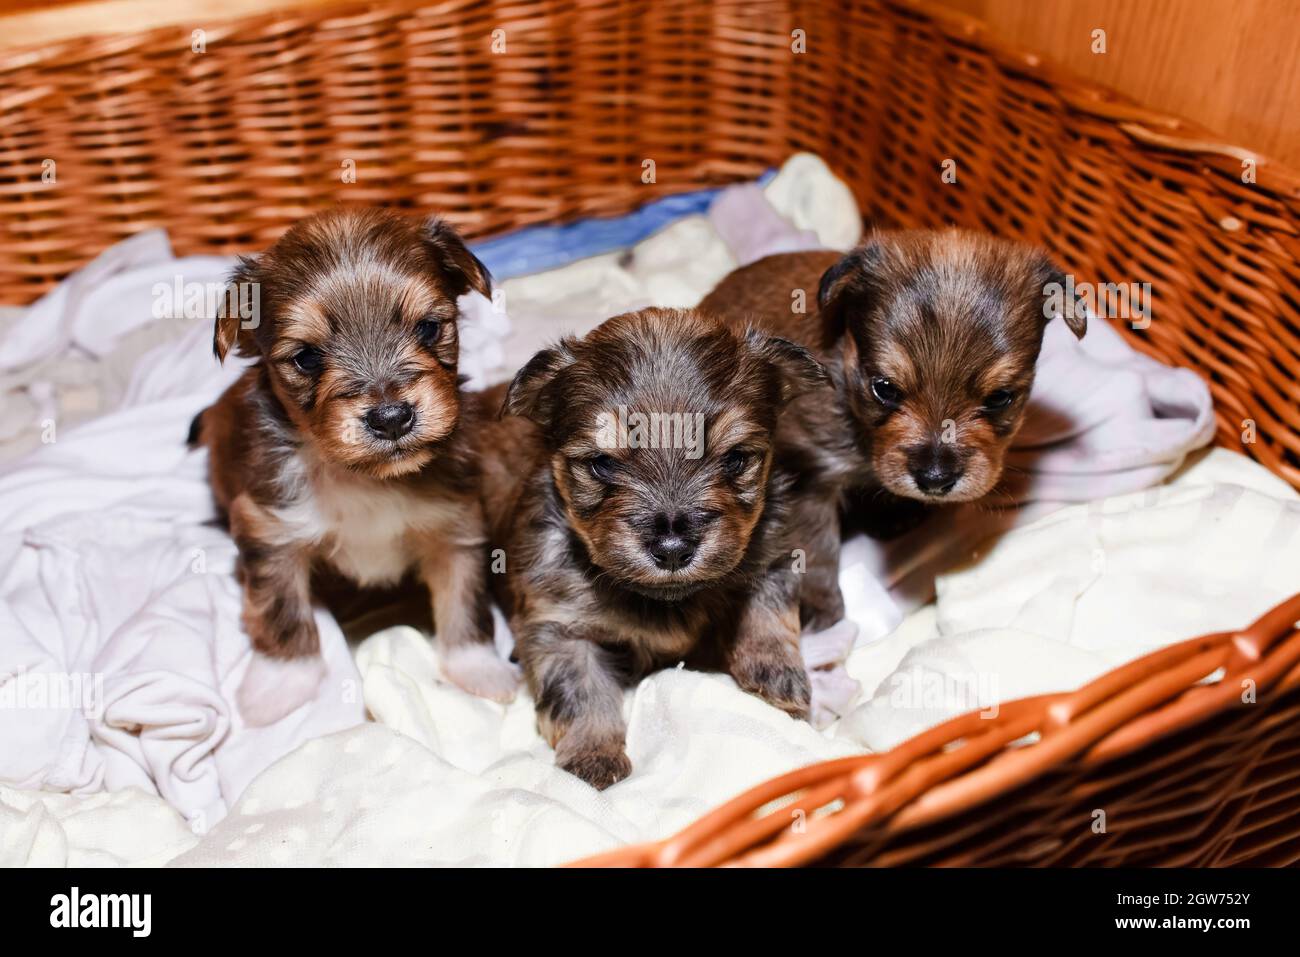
[505,114]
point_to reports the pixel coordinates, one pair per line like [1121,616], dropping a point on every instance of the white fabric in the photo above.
[1052,605]
[472,783]
[444,778]
[126,828]
[811,197]
[108,568]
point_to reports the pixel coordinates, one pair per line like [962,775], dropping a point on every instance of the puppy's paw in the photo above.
[782,684]
[275,687]
[284,624]
[478,669]
[599,766]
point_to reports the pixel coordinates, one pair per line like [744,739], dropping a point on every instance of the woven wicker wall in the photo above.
[228,146]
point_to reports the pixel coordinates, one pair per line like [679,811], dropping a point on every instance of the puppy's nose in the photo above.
[672,545]
[935,469]
[936,479]
[672,552]
[392,420]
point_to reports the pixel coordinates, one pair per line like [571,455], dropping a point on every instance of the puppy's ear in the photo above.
[462,268]
[239,311]
[798,370]
[1058,298]
[851,282]
[528,395]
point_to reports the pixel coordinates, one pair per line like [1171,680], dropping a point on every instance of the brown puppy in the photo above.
[931,339]
[635,494]
[343,447]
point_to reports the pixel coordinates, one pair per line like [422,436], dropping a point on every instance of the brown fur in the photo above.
[307,484]
[591,606]
[949,324]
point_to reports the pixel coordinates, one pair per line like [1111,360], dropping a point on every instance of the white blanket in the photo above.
[1054,604]
[443,778]
[118,607]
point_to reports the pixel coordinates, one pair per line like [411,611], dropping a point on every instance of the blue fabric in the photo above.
[537,248]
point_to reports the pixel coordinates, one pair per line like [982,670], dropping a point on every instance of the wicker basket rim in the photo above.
[1170,131]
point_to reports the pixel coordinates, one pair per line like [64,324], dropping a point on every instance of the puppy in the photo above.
[343,447]
[931,340]
[633,489]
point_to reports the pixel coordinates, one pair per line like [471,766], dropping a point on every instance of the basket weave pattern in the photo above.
[507,114]
[227,147]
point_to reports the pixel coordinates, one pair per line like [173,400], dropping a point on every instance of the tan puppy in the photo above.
[343,448]
[931,340]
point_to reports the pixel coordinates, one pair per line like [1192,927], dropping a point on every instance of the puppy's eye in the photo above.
[602,467]
[735,462]
[428,330]
[996,401]
[886,393]
[309,360]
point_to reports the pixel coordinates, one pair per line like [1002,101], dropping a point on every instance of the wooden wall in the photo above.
[1231,65]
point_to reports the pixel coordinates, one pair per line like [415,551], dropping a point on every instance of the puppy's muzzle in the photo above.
[672,541]
[392,420]
[935,469]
